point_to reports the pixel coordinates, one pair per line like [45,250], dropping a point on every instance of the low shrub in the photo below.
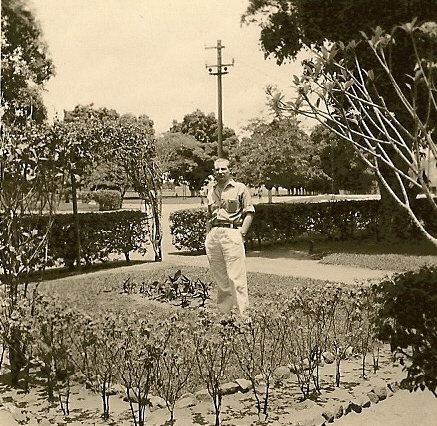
[177,289]
[188,228]
[101,234]
[107,199]
[407,319]
[85,196]
[149,352]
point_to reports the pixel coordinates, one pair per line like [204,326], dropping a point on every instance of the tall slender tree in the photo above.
[26,65]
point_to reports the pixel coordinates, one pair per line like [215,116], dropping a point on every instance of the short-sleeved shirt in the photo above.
[231,205]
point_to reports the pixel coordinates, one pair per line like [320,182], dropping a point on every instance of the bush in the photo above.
[85,196]
[282,223]
[188,228]
[408,321]
[170,352]
[108,199]
[101,234]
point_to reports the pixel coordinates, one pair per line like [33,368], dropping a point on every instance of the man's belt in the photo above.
[225,225]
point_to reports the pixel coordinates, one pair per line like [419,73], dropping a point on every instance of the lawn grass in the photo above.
[408,248]
[103,290]
[56,273]
[383,262]
[370,254]
[136,202]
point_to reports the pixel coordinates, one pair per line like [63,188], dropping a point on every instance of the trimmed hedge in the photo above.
[187,228]
[107,199]
[287,222]
[101,234]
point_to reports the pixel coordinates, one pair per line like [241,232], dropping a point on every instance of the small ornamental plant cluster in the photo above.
[177,289]
[160,354]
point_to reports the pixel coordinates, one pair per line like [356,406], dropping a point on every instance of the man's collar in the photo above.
[230,182]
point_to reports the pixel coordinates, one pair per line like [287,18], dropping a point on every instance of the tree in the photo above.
[31,169]
[82,135]
[25,64]
[204,128]
[338,91]
[101,171]
[276,154]
[31,177]
[340,161]
[132,140]
[123,143]
[287,26]
[183,160]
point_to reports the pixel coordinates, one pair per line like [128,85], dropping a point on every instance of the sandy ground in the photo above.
[400,408]
[403,409]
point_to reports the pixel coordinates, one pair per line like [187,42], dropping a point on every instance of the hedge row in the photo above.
[282,222]
[101,234]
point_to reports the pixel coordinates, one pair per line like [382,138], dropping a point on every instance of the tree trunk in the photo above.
[395,224]
[17,359]
[78,253]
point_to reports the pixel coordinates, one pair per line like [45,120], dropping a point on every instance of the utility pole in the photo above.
[219,69]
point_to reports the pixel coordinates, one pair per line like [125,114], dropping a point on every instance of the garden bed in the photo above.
[286,406]
[107,291]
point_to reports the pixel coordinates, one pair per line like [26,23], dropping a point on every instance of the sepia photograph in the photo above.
[218,213]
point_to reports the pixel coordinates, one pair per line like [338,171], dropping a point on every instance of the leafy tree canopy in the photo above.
[204,128]
[276,154]
[26,66]
[103,138]
[184,160]
[288,26]
[88,112]
[198,161]
[340,161]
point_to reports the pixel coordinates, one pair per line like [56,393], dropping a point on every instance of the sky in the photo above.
[150,56]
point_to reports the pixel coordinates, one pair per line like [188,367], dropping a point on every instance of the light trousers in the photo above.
[227,261]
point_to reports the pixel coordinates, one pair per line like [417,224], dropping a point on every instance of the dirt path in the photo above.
[273,261]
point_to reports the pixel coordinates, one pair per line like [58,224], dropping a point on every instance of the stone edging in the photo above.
[338,403]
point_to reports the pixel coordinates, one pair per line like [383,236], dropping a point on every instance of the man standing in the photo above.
[230,214]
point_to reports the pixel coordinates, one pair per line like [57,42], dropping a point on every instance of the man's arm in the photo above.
[247,221]
[208,219]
